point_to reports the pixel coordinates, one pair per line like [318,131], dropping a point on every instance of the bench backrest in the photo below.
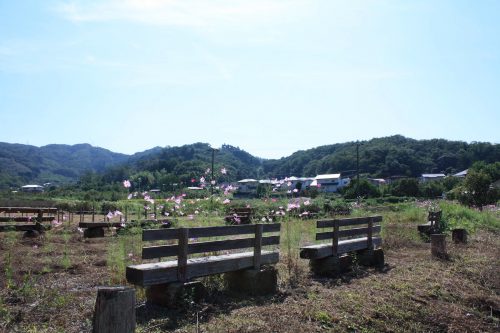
[184,248]
[37,210]
[343,228]
[434,218]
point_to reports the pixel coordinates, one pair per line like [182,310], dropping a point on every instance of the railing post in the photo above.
[335,238]
[182,254]
[259,228]
[370,234]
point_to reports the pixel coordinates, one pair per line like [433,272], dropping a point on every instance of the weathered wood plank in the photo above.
[28,210]
[348,221]
[347,232]
[165,272]
[163,251]
[99,224]
[168,234]
[26,219]
[257,246]
[182,254]
[324,250]
[24,227]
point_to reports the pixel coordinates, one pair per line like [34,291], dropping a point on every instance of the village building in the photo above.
[461,174]
[431,176]
[32,188]
[330,182]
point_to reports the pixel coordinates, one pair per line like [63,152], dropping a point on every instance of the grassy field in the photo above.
[48,284]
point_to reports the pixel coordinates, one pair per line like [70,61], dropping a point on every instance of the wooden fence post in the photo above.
[370,234]
[335,238]
[459,236]
[114,310]
[438,246]
[182,254]
[259,228]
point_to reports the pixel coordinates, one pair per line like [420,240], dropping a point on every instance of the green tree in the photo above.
[366,189]
[476,190]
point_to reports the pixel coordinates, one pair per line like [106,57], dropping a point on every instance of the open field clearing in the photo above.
[49,284]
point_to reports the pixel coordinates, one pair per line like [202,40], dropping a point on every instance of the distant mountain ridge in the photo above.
[56,163]
[378,157]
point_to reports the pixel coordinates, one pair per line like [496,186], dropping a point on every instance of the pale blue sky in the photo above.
[269,76]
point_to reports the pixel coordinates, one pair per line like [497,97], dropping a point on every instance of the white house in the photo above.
[461,174]
[247,186]
[431,176]
[32,188]
[329,182]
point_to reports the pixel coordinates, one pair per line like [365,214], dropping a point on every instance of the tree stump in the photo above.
[93,232]
[459,236]
[114,310]
[438,246]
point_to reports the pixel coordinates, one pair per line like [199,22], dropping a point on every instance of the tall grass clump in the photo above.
[399,227]
[458,216]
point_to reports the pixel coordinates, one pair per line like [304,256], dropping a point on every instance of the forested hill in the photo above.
[23,164]
[388,156]
[380,157]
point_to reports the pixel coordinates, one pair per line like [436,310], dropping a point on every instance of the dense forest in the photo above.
[93,167]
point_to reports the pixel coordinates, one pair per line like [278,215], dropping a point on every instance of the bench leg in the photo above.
[173,295]
[371,258]
[93,233]
[331,266]
[255,282]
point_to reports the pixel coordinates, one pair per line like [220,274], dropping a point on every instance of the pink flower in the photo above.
[226,201]
[191,217]
[126,183]
[273,200]
[319,185]
[110,215]
[193,180]
[118,213]
[223,171]
[35,246]
[212,182]
[307,203]
[207,171]
[295,190]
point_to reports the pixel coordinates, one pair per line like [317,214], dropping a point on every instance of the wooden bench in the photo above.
[33,217]
[433,224]
[96,229]
[243,269]
[239,216]
[346,238]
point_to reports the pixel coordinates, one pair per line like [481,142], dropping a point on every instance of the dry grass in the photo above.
[49,285]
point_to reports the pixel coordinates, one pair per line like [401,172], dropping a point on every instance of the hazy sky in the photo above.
[269,76]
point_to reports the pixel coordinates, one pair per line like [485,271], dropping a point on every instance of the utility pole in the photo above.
[357,170]
[212,180]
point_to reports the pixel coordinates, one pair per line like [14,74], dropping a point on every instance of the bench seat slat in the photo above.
[319,251]
[347,232]
[168,234]
[25,219]
[162,251]
[166,272]
[99,224]
[347,221]
[24,227]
